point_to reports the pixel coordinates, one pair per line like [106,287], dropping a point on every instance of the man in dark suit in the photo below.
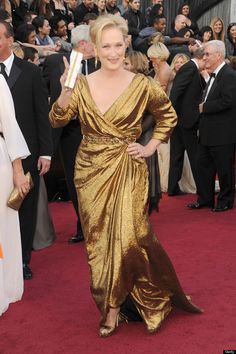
[31,107]
[86,7]
[186,94]
[135,18]
[217,132]
[70,136]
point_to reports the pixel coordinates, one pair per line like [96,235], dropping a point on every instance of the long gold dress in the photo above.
[124,254]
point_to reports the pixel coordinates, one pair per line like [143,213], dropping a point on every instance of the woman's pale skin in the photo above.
[163,73]
[218,27]
[112,80]
[101,4]
[185,10]
[19,179]
[206,36]
[45,29]
[179,62]
[127,64]
[232,32]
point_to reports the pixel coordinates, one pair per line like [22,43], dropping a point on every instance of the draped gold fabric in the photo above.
[124,255]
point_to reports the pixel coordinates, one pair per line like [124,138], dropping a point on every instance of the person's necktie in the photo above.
[205,92]
[3,71]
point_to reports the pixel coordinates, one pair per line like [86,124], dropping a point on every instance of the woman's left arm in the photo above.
[160,107]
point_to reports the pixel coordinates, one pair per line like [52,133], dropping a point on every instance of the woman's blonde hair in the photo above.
[139,62]
[158,50]
[105,22]
[177,57]
[17,50]
[156,38]
[221,35]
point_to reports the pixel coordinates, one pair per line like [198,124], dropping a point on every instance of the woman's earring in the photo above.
[96,61]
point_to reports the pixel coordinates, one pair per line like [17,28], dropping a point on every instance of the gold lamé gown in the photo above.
[124,254]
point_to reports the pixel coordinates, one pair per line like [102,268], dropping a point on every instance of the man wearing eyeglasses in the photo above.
[217,132]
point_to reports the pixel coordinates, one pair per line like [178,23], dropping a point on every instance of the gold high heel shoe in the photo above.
[107,331]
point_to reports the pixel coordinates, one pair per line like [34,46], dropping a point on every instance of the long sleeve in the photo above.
[181,82]
[41,113]
[15,142]
[59,117]
[164,114]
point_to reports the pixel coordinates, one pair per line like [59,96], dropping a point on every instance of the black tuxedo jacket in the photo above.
[31,107]
[218,120]
[186,94]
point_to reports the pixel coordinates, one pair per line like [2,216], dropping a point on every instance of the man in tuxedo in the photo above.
[70,136]
[217,132]
[31,107]
[186,94]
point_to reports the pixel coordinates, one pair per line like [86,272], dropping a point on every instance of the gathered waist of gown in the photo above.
[108,140]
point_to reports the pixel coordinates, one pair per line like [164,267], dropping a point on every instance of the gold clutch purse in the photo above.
[15,200]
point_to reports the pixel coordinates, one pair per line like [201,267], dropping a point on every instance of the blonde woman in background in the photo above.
[137,62]
[101,4]
[178,60]
[217,25]
[158,54]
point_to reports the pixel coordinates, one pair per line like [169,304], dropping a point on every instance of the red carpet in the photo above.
[58,316]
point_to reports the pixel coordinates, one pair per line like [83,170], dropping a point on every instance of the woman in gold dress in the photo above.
[124,255]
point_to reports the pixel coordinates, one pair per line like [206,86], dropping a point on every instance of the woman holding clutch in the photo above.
[13,148]
[111,179]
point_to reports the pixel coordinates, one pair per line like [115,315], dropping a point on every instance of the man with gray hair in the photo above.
[179,23]
[186,94]
[217,132]
[69,137]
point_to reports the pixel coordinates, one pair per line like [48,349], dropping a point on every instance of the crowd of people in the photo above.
[156,114]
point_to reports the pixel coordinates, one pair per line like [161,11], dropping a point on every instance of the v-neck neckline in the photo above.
[115,101]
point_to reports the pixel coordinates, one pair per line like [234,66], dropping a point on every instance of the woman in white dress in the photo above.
[13,148]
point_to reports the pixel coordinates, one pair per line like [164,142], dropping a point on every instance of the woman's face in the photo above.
[45,29]
[179,62]
[32,37]
[185,10]
[218,27]
[161,10]
[232,32]
[45,1]
[187,34]
[206,36]
[101,4]
[155,63]
[111,49]
[127,64]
